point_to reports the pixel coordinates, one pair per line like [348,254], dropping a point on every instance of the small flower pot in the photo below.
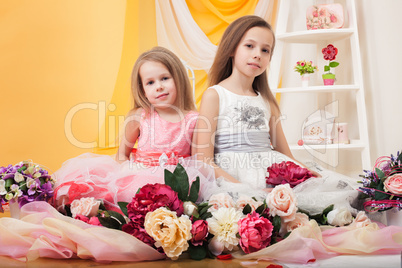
[329,79]
[305,78]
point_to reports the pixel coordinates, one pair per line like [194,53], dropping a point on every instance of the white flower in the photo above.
[18,177]
[189,208]
[223,225]
[2,187]
[9,196]
[86,206]
[16,190]
[339,217]
[30,181]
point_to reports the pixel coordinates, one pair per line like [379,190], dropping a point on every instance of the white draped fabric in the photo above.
[177,31]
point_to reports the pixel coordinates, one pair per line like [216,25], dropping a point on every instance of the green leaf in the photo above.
[182,181]
[170,180]
[276,222]
[261,209]
[23,186]
[328,209]
[247,209]
[194,190]
[123,207]
[203,209]
[197,253]
[333,64]
[112,220]
[205,216]
[379,195]
[399,158]
[379,173]
[326,68]
[8,182]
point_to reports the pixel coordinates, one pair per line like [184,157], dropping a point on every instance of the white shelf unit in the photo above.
[320,38]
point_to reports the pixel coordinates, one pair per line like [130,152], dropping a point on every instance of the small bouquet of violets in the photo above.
[23,183]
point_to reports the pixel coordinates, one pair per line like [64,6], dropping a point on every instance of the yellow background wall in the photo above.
[65,70]
[56,56]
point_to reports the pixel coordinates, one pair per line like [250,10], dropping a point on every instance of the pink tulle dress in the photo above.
[161,145]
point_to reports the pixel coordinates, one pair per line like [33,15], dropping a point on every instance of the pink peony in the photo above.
[255,232]
[90,220]
[199,232]
[137,230]
[393,184]
[287,172]
[94,221]
[151,197]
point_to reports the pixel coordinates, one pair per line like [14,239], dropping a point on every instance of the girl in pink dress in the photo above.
[161,122]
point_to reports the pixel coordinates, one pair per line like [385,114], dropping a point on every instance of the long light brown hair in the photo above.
[184,100]
[222,66]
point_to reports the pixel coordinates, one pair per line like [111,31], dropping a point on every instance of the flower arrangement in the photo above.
[323,17]
[168,218]
[305,67]
[287,172]
[25,182]
[329,53]
[383,184]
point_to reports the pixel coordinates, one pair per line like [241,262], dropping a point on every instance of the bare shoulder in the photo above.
[210,94]
[135,113]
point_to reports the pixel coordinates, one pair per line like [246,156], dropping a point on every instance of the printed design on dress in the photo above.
[251,116]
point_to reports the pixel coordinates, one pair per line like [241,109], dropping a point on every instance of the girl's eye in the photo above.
[150,83]
[249,45]
[265,50]
[165,78]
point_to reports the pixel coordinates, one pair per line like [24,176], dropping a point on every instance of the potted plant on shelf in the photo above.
[329,53]
[304,68]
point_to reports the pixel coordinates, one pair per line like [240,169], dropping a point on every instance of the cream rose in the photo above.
[361,220]
[86,206]
[300,220]
[393,184]
[190,209]
[244,200]
[169,232]
[281,201]
[339,217]
[222,200]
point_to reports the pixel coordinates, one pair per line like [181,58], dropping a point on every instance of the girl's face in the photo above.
[158,84]
[253,54]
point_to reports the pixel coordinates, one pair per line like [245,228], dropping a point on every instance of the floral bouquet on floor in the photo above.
[382,185]
[23,183]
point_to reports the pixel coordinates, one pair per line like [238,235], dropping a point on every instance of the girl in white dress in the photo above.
[239,131]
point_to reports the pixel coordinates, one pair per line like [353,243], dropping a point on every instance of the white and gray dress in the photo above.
[243,149]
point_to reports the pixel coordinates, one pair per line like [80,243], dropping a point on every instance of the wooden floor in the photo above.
[77,263]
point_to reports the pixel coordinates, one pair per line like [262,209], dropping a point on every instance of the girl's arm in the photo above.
[205,130]
[131,133]
[278,138]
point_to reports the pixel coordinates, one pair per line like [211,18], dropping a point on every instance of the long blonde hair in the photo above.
[184,100]
[222,66]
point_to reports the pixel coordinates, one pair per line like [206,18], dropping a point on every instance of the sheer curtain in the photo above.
[178,31]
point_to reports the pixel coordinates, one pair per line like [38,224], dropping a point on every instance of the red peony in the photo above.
[137,230]
[153,196]
[255,232]
[199,232]
[329,52]
[287,172]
